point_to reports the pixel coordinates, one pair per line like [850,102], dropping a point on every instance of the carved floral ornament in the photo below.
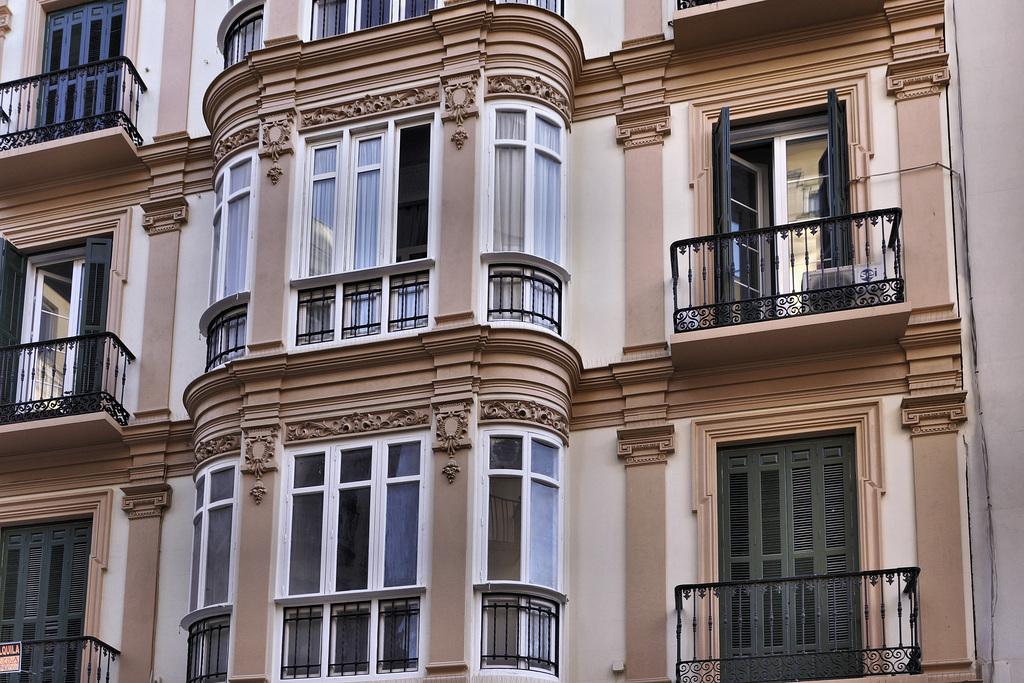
[526,411]
[277,136]
[452,431]
[236,140]
[217,445]
[460,104]
[356,423]
[530,86]
[259,458]
[370,104]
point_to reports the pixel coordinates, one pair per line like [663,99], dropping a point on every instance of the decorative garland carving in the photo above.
[216,446]
[370,104]
[460,104]
[356,423]
[259,458]
[452,432]
[236,140]
[532,87]
[645,445]
[277,136]
[526,411]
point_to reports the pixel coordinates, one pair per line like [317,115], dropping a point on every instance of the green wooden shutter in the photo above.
[721,172]
[91,356]
[12,293]
[838,157]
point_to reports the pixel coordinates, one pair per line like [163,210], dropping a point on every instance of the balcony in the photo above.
[808,628]
[818,266]
[701,24]
[64,377]
[519,632]
[74,101]
[225,336]
[526,294]
[76,660]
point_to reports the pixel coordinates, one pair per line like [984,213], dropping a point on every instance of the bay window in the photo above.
[528,181]
[353,547]
[335,17]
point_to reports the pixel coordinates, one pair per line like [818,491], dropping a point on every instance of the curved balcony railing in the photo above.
[806,628]
[245,34]
[225,337]
[69,376]
[519,632]
[524,293]
[686,4]
[65,659]
[59,104]
[816,266]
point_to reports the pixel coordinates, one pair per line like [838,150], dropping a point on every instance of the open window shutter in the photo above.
[12,294]
[721,172]
[838,156]
[95,285]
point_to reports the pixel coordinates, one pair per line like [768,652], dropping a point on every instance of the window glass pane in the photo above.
[806,178]
[356,464]
[235,245]
[506,453]
[544,459]
[321,229]
[218,190]
[331,19]
[222,485]
[543,534]
[548,135]
[350,639]
[413,194]
[504,529]
[367,218]
[216,266]
[374,13]
[306,543]
[547,207]
[309,470]
[417,8]
[509,198]
[510,125]
[240,177]
[398,635]
[301,647]
[404,459]
[197,550]
[325,160]
[200,492]
[218,556]
[353,539]
[401,534]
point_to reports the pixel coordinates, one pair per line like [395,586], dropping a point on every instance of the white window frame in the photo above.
[527,533]
[532,149]
[223,200]
[353,15]
[201,514]
[375,593]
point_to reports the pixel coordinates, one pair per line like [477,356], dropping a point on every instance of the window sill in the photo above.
[204,613]
[219,307]
[518,588]
[522,258]
[362,274]
[350,596]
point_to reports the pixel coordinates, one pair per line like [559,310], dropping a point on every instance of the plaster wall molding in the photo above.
[164,215]
[146,500]
[356,423]
[275,140]
[533,87]
[6,22]
[237,140]
[460,103]
[936,414]
[260,444]
[526,411]
[922,76]
[218,445]
[644,127]
[369,105]
[646,445]
[452,432]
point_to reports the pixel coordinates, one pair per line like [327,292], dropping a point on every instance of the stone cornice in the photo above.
[164,215]
[918,76]
[638,128]
[933,414]
[356,423]
[646,445]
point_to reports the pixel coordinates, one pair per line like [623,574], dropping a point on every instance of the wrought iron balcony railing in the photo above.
[69,660]
[519,632]
[813,627]
[686,4]
[69,102]
[225,336]
[816,266]
[524,293]
[69,376]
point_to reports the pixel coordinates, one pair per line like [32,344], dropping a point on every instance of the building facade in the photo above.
[581,340]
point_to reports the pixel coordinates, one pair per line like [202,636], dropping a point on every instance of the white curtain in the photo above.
[367,203]
[237,234]
[321,229]
[509,183]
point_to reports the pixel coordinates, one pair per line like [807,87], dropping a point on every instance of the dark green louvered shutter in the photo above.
[788,510]
[91,358]
[43,578]
[838,157]
[721,173]
[12,306]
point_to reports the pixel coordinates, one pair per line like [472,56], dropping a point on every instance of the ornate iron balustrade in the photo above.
[69,102]
[519,632]
[814,627]
[244,35]
[69,376]
[70,660]
[525,293]
[225,336]
[686,4]
[816,266]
